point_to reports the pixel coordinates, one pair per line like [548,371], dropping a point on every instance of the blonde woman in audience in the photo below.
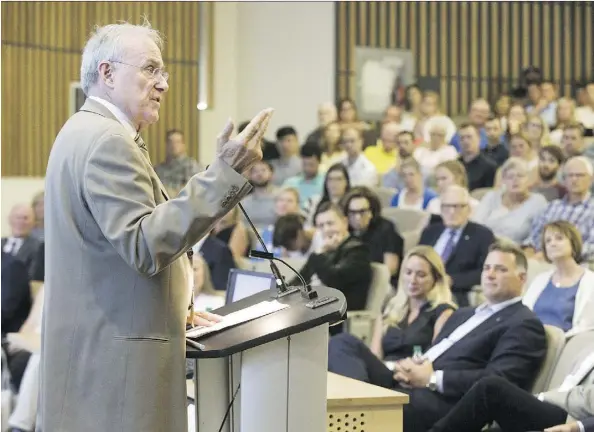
[563,297]
[409,323]
[347,115]
[446,174]
[520,147]
[510,210]
[332,151]
[565,117]
[431,113]
[536,132]
[436,151]
[414,195]
[232,231]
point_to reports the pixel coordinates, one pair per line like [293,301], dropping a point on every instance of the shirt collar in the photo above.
[585,200]
[122,118]
[494,308]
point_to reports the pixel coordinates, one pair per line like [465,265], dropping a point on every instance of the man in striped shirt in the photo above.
[576,207]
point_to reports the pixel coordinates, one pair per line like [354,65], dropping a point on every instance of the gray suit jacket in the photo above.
[117,279]
[579,401]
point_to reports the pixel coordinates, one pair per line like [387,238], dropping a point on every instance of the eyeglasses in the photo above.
[453,206]
[150,70]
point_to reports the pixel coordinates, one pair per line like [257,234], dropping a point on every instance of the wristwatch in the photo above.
[432,384]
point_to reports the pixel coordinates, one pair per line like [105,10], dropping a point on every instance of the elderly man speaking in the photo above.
[117,275]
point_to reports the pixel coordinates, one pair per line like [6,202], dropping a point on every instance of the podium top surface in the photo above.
[294,319]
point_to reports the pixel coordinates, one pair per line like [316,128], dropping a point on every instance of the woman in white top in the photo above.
[564,296]
[509,211]
[520,147]
[449,173]
[565,116]
[436,151]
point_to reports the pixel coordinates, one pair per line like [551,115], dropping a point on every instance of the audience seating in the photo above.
[479,193]
[385,194]
[360,323]
[576,349]
[535,268]
[411,239]
[555,345]
[406,219]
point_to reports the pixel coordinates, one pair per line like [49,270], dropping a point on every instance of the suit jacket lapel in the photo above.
[25,250]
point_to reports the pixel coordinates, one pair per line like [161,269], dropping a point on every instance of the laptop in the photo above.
[244,283]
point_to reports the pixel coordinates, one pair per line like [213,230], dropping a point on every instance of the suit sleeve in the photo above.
[516,357]
[118,191]
[353,270]
[464,281]
[588,424]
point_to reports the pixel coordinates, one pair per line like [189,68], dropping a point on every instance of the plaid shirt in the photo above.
[580,214]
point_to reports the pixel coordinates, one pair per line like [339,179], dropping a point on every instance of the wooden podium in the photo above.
[268,374]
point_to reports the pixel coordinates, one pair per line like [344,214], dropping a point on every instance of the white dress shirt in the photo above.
[13,244]
[122,118]
[481,314]
[361,172]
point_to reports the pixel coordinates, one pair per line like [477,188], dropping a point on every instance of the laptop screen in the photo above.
[244,283]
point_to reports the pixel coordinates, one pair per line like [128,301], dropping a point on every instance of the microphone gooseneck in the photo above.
[282,287]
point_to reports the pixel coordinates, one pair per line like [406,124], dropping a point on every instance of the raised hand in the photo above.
[243,151]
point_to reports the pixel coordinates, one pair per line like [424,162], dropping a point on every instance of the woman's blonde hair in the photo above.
[458,171]
[571,103]
[410,162]
[515,163]
[544,139]
[397,308]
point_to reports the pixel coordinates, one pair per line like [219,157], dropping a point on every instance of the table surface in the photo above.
[344,392]
[294,319]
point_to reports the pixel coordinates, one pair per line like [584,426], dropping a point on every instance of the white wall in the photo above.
[277,54]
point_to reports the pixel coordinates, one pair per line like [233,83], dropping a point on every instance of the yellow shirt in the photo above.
[382,160]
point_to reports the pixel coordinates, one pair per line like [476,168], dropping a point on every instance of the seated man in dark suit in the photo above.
[219,259]
[16,305]
[462,245]
[16,294]
[502,337]
[21,244]
[343,262]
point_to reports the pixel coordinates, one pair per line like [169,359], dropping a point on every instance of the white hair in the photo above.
[585,161]
[107,43]
[458,189]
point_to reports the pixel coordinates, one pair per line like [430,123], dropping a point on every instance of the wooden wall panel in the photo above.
[474,48]
[41,53]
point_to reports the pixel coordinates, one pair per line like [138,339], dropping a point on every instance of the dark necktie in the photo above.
[449,246]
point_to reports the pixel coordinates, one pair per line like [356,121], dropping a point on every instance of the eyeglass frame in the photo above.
[157,73]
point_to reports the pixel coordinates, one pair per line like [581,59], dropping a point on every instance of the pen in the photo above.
[195,344]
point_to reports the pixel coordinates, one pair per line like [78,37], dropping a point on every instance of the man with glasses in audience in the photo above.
[463,245]
[576,207]
[118,279]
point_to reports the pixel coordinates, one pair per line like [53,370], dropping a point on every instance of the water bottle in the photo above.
[418,354]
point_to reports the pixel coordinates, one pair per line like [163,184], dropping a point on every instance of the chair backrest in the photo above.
[555,344]
[406,219]
[576,349]
[535,267]
[479,193]
[385,195]
[379,288]
[411,239]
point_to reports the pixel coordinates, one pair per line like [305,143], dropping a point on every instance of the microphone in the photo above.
[282,288]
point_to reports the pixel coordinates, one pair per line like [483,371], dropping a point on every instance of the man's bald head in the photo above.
[21,220]
[455,206]
[327,113]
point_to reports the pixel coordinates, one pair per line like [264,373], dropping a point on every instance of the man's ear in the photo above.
[106,73]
